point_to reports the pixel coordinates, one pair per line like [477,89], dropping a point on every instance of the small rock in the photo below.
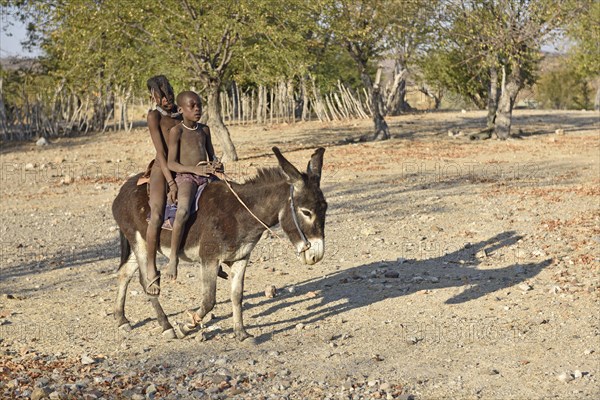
[565,377]
[300,326]
[137,396]
[311,295]
[291,289]
[57,396]
[577,374]
[391,274]
[29,167]
[559,132]
[40,393]
[588,352]
[42,142]
[525,287]
[42,382]
[434,279]
[67,180]
[270,291]
[87,360]
[150,389]
[555,289]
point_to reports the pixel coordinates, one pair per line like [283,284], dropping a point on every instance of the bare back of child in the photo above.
[192,158]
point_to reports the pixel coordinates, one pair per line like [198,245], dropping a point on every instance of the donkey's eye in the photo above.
[306,212]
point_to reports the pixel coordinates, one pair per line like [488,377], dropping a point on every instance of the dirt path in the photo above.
[453,269]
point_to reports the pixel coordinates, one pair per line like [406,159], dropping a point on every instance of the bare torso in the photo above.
[192,145]
[166,123]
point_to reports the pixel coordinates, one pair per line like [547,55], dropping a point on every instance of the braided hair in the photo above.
[160,85]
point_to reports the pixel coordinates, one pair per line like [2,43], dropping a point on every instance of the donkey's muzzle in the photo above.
[314,254]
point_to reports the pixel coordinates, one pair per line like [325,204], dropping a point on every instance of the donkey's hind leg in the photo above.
[125,274]
[141,255]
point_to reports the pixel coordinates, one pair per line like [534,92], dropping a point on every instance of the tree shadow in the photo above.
[347,290]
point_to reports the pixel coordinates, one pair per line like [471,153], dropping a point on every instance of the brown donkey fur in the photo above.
[224,232]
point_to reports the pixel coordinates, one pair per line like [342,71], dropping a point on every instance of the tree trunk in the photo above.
[215,122]
[304,91]
[511,85]
[597,100]
[437,98]
[396,102]
[3,118]
[382,131]
[493,98]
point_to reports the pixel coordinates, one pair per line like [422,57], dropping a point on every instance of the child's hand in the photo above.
[218,166]
[172,194]
[202,169]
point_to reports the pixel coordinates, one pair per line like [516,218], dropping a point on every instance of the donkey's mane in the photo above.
[266,176]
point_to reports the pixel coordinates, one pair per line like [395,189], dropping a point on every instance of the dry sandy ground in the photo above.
[453,269]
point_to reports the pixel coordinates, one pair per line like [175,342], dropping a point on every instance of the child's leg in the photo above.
[186,193]
[157,200]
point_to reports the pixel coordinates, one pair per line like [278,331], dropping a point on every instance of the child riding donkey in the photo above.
[192,158]
[158,176]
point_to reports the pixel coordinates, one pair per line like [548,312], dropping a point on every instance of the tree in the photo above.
[103,45]
[498,42]
[409,36]
[585,32]
[361,27]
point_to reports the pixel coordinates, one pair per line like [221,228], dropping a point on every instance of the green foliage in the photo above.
[450,70]
[477,36]
[584,30]
[562,89]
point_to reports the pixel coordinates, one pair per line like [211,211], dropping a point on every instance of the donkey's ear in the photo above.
[292,173]
[315,165]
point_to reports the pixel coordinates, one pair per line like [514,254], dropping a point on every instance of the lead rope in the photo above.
[246,207]
[293,210]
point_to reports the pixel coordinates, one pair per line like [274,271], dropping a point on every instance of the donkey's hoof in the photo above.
[243,336]
[249,341]
[169,334]
[126,327]
[181,330]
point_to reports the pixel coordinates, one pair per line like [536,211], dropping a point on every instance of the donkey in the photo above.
[223,231]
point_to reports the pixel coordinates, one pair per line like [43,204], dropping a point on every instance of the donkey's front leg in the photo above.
[238,270]
[208,279]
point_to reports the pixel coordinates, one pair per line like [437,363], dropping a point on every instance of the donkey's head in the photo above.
[303,219]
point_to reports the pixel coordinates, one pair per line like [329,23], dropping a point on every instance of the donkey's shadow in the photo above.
[350,289]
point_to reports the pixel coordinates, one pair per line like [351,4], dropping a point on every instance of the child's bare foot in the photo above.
[153,285]
[170,273]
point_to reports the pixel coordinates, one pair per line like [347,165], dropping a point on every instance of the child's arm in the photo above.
[210,151]
[161,153]
[173,162]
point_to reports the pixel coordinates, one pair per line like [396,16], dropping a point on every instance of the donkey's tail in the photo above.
[125,249]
